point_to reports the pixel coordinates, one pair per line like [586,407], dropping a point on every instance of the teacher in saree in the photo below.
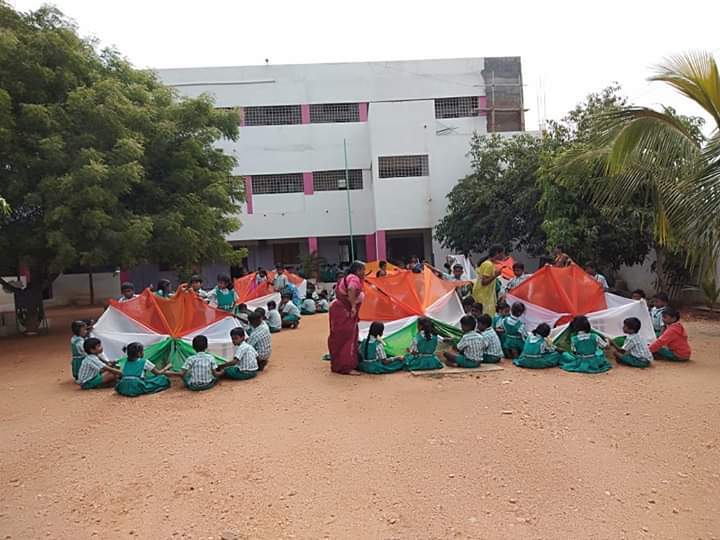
[344,318]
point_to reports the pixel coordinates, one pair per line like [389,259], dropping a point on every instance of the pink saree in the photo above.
[344,333]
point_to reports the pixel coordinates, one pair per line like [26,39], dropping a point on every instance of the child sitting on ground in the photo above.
[134,380]
[673,344]
[260,338]
[223,296]
[93,372]
[322,305]
[502,313]
[127,290]
[77,349]
[421,354]
[244,364]
[290,312]
[274,319]
[467,304]
[493,352]
[308,305]
[660,304]
[538,351]
[373,358]
[468,353]
[515,332]
[587,354]
[200,371]
[634,352]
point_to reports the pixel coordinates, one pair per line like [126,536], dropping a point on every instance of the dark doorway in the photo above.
[400,249]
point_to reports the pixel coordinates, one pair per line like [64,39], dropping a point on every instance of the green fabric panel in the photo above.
[398,343]
[169,351]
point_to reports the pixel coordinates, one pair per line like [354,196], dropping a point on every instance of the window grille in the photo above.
[334,112]
[456,107]
[335,180]
[276,115]
[403,166]
[266,184]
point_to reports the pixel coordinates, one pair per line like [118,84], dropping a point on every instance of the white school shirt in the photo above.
[124,299]
[90,368]
[246,356]
[291,309]
[638,347]
[309,305]
[656,316]
[602,281]
[323,304]
[516,281]
[261,340]
[274,320]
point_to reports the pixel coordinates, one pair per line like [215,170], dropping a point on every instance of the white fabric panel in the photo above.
[535,314]
[613,300]
[447,309]
[113,342]
[302,288]
[263,300]
[609,322]
[114,320]
[218,335]
[468,270]
[390,327]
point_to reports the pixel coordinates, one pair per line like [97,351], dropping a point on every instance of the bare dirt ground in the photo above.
[300,453]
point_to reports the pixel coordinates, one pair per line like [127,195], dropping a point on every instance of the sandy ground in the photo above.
[300,453]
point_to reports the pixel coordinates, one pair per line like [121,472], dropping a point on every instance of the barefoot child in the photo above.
[660,304]
[421,354]
[587,354]
[135,381]
[222,295]
[200,371]
[290,312]
[373,358]
[493,352]
[274,319]
[468,353]
[260,339]
[673,344]
[244,364]
[538,352]
[93,372]
[77,349]
[634,352]
[515,332]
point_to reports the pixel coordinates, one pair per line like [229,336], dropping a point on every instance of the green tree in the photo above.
[498,202]
[101,163]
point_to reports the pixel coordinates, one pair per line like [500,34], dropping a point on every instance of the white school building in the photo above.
[406,127]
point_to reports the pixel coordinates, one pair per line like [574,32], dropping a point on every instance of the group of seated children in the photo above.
[200,371]
[487,340]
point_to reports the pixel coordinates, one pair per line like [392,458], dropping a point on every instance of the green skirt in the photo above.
[491,359]
[75,366]
[594,364]
[95,382]
[290,318]
[513,342]
[422,362]
[306,312]
[135,386]
[633,361]
[233,372]
[378,368]
[543,361]
[667,354]
[464,362]
[198,387]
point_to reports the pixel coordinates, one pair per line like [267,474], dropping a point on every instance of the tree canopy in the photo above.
[102,164]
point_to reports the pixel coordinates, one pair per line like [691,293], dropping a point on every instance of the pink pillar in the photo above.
[381,247]
[482,106]
[305,113]
[308,188]
[313,244]
[249,194]
[363,111]
[370,247]
[124,276]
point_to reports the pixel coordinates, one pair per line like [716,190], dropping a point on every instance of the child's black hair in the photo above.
[518,265]
[127,286]
[271,305]
[75,326]
[255,318]
[134,350]
[90,344]
[517,309]
[286,296]
[237,332]
[580,324]
[382,264]
[224,278]
[477,306]
[196,279]
[260,311]
[426,327]
[640,293]
[590,265]
[669,311]
[502,305]
[542,330]
[323,294]
[163,285]
[633,323]
[468,301]
[662,296]
[309,295]
[376,330]
[200,343]
[469,322]
[485,321]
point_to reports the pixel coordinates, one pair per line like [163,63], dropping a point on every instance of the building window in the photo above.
[266,184]
[456,107]
[334,112]
[335,180]
[278,115]
[403,166]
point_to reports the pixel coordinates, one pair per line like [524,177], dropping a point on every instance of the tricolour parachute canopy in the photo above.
[373,266]
[249,292]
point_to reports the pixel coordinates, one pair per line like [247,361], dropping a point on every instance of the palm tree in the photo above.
[665,160]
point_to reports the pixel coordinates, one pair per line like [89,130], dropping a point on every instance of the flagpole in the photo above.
[347,190]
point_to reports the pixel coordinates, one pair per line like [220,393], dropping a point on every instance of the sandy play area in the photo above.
[301,453]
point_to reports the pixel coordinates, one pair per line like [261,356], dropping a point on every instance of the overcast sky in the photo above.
[568,48]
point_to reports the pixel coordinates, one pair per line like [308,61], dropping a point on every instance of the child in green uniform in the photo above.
[492,352]
[502,313]
[135,381]
[421,354]
[164,288]
[200,371]
[373,358]
[468,353]
[660,303]
[587,354]
[80,332]
[515,332]
[635,351]
[222,295]
[538,352]
[244,364]
[290,312]
[94,372]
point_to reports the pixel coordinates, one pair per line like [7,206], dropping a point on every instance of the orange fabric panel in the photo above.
[563,290]
[506,267]
[246,289]
[379,306]
[374,266]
